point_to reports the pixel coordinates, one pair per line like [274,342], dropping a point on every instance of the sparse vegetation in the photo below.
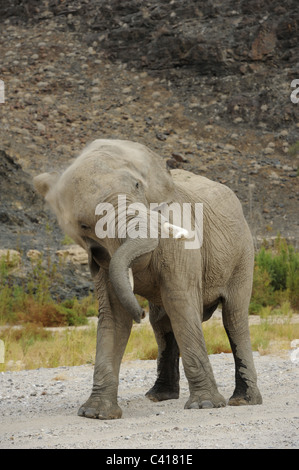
[67,240]
[30,300]
[31,347]
[29,305]
[276,277]
[294,149]
[142,343]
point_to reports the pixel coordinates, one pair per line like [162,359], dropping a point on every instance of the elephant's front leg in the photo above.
[184,312]
[114,327]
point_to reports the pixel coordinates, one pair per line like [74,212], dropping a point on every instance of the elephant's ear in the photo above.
[44,182]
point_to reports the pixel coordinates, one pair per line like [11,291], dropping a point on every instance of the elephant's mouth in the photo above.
[98,256]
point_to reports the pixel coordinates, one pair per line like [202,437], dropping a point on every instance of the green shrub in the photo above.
[262,290]
[294,149]
[275,263]
[276,276]
[293,278]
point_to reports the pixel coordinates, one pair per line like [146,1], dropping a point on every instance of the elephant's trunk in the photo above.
[119,266]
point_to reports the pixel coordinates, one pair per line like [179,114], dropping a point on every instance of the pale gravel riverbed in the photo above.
[38,409]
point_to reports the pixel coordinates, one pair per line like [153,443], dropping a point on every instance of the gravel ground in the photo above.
[38,409]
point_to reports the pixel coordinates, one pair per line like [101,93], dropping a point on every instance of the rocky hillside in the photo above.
[206,84]
[242,55]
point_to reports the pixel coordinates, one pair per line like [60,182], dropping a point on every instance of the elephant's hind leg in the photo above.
[166,386]
[235,320]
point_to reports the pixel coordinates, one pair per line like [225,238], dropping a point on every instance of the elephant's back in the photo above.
[200,188]
[224,220]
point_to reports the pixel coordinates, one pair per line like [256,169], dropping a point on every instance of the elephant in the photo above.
[183,285]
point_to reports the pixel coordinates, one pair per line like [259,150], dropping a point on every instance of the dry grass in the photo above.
[271,337]
[32,347]
[142,343]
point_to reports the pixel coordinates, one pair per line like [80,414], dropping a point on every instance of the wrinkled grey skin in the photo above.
[183,287]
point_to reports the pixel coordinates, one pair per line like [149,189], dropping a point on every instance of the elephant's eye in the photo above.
[137,185]
[85,227]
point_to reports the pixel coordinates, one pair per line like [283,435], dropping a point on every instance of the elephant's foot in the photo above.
[251,397]
[160,393]
[205,400]
[99,408]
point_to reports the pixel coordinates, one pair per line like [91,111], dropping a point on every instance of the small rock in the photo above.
[273,175]
[179,157]
[42,85]
[63,148]
[41,127]
[46,14]
[33,254]
[268,151]
[74,253]
[161,136]
[91,51]
[28,98]
[263,44]
[48,100]
[172,164]
[127,90]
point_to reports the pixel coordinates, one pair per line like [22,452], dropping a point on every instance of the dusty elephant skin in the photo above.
[183,286]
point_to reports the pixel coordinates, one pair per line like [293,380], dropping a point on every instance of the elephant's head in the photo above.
[105,170]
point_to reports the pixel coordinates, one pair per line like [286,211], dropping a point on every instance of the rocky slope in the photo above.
[207,85]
